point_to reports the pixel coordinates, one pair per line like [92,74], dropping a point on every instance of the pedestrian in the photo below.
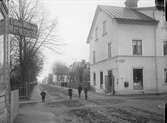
[86,93]
[70,93]
[79,90]
[43,95]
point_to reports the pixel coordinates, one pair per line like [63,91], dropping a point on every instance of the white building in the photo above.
[128,50]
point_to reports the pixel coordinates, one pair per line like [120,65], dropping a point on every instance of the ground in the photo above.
[97,109]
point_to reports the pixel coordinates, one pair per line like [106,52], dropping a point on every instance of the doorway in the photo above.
[137,79]
[110,82]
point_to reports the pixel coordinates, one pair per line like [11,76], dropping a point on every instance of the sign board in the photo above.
[23,28]
[17,27]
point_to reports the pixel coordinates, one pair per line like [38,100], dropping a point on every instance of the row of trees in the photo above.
[77,72]
[26,59]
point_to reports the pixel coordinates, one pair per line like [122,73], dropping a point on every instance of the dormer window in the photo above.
[104,28]
[96,34]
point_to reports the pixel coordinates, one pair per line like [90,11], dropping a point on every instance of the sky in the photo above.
[74,19]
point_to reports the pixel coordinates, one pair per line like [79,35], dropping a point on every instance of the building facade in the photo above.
[128,48]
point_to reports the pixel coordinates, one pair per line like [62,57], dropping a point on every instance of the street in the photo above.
[97,109]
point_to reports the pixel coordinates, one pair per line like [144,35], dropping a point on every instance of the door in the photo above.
[109,79]
[138,79]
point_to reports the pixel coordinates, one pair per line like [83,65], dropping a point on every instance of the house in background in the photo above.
[128,50]
[79,74]
[61,79]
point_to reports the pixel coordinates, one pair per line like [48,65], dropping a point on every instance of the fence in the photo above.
[3,109]
[14,104]
[26,89]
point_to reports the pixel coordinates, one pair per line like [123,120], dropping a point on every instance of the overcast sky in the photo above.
[74,19]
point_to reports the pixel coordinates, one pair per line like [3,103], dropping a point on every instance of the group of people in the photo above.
[85,89]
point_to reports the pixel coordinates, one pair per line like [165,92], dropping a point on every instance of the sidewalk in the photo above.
[33,111]
[35,98]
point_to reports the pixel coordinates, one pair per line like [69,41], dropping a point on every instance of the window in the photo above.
[138,78]
[94,57]
[165,75]
[165,47]
[1,51]
[104,28]
[137,47]
[96,34]
[101,79]
[94,79]
[109,50]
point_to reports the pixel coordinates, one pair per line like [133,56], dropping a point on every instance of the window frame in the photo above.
[139,48]
[96,34]
[136,84]
[94,57]
[109,49]
[94,78]
[104,28]
[165,75]
[101,79]
[164,53]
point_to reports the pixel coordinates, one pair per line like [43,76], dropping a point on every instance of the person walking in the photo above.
[43,95]
[86,93]
[70,93]
[79,90]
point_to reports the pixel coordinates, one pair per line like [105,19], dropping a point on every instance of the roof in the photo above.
[128,15]
[125,13]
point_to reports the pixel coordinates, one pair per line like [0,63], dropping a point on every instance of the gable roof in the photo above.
[123,14]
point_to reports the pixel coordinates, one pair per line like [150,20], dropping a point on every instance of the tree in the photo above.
[79,72]
[26,59]
[60,69]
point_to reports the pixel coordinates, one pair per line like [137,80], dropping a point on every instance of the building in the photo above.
[60,79]
[128,50]
[79,74]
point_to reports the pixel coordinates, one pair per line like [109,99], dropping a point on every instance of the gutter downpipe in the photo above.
[155,56]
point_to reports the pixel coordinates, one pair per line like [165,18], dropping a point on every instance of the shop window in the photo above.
[138,78]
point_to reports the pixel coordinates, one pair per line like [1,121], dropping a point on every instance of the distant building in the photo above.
[50,79]
[128,50]
[79,72]
[60,79]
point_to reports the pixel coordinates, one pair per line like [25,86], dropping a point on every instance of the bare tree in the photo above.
[25,51]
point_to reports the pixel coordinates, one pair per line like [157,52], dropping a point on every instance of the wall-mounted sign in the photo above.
[23,28]
[17,27]
[120,60]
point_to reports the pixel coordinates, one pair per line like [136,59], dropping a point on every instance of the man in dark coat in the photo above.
[79,90]
[43,94]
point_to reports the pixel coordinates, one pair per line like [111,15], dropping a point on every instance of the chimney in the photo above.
[131,3]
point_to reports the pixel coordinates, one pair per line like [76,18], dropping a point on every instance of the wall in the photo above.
[126,74]
[101,45]
[14,104]
[129,32]
[105,66]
